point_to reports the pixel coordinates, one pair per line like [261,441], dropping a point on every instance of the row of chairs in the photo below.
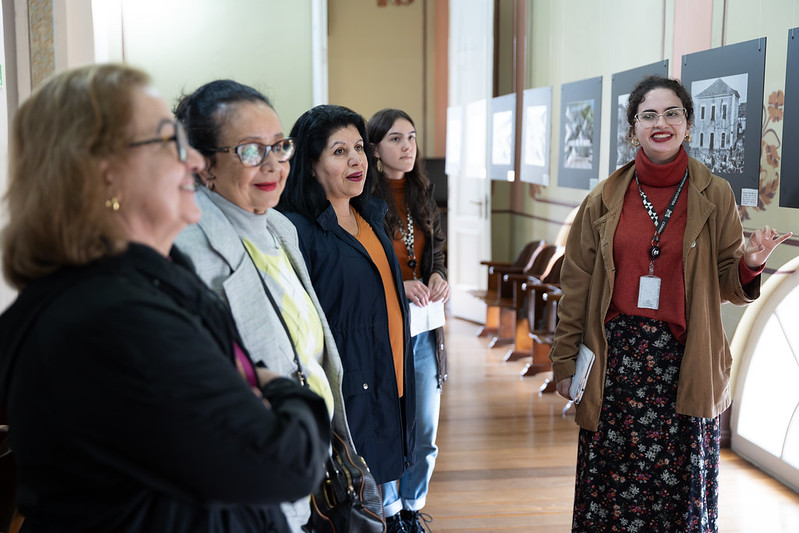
[521,305]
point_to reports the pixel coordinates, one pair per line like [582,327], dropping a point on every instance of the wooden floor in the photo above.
[507,457]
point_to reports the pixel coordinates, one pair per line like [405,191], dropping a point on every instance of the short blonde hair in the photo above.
[56,194]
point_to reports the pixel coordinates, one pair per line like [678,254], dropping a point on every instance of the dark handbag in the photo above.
[347,500]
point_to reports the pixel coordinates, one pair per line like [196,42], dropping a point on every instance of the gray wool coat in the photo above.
[223,264]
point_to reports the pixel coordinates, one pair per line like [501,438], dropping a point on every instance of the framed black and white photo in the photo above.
[536,130]
[726,85]
[502,135]
[622,84]
[580,114]
[789,184]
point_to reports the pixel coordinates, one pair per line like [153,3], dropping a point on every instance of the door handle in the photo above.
[479,203]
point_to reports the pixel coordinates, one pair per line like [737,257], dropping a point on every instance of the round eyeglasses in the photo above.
[671,116]
[253,154]
[180,139]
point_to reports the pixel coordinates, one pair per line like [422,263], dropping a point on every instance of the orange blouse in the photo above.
[375,250]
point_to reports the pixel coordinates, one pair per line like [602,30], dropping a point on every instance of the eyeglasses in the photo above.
[254,154]
[180,139]
[672,116]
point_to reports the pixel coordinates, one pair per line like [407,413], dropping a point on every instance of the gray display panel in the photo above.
[726,85]
[581,109]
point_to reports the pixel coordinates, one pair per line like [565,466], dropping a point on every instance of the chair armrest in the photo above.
[495,263]
[505,269]
[514,276]
[552,294]
[532,283]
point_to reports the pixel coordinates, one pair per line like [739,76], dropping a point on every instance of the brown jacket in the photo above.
[712,248]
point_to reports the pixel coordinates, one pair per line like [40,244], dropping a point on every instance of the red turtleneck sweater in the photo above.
[633,239]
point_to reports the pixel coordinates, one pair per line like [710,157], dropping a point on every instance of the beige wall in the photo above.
[747,20]
[571,40]
[185,43]
[376,58]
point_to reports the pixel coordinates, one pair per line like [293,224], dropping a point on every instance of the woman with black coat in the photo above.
[357,278]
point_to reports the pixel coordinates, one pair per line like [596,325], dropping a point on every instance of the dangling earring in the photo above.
[635,142]
[687,137]
[208,181]
[379,165]
[112,203]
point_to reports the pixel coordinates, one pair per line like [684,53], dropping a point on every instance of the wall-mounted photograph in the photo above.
[535,148]
[579,133]
[719,128]
[622,83]
[725,131]
[536,128]
[502,136]
[578,138]
[789,166]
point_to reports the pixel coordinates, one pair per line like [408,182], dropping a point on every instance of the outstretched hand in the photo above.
[760,245]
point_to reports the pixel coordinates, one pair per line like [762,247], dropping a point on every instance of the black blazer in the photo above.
[126,413]
[351,292]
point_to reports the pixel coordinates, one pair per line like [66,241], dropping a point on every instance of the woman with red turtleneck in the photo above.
[653,252]
[414,224]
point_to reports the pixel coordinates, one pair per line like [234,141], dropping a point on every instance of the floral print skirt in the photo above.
[646,468]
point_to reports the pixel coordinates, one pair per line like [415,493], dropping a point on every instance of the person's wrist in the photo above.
[755,268]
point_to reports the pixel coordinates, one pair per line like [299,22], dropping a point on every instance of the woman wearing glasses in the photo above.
[247,252]
[653,252]
[117,376]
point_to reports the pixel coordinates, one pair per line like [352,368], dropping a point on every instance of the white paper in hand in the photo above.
[426,318]
[585,360]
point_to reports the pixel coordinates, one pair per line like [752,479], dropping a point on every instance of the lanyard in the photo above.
[654,251]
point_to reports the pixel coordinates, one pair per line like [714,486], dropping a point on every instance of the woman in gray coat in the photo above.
[247,252]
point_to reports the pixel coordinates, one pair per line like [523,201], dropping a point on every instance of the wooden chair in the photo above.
[508,302]
[493,293]
[542,320]
[545,273]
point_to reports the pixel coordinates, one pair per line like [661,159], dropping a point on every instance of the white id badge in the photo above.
[649,292]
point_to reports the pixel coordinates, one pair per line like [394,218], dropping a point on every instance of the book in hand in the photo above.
[585,360]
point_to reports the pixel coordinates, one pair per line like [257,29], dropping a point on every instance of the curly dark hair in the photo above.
[657,82]
[303,193]
[416,181]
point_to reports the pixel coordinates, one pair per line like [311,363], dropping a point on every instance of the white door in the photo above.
[470,76]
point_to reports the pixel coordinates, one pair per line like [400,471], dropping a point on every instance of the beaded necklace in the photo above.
[407,238]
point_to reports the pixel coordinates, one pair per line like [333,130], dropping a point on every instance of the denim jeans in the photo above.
[413,484]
